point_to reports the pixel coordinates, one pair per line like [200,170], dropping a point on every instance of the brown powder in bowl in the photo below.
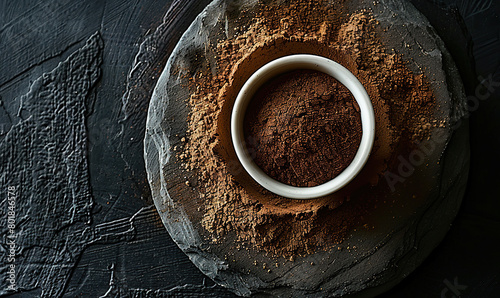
[304,127]
[234,209]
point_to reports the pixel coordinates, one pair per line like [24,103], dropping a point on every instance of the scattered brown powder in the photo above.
[234,205]
[304,127]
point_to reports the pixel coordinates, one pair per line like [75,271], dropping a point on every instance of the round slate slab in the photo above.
[405,233]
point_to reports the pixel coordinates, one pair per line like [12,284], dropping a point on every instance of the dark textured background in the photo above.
[75,78]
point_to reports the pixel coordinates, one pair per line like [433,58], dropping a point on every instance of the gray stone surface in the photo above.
[384,256]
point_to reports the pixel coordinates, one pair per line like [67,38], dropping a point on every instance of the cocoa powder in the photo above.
[256,219]
[305,128]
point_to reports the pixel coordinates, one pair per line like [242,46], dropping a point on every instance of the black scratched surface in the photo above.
[72,116]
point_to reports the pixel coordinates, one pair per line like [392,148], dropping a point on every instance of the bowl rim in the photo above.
[282,65]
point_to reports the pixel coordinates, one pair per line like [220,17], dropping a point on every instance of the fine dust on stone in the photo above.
[402,102]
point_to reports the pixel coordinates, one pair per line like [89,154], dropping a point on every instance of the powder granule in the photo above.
[232,203]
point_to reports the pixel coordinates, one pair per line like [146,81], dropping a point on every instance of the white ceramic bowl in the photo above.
[277,67]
